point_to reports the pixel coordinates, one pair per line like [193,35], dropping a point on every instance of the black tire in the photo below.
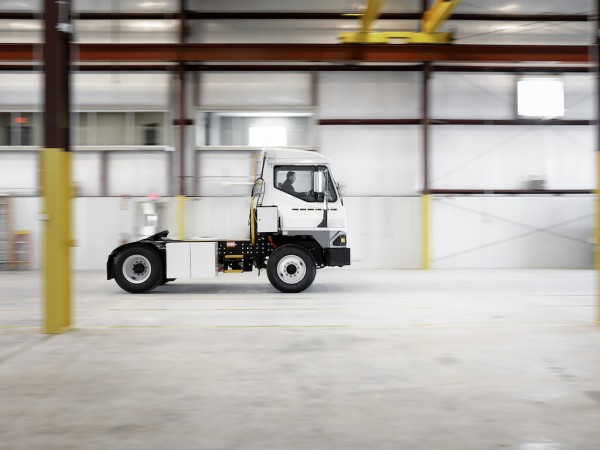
[291,268]
[138,269]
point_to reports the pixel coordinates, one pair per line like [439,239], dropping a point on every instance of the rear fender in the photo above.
[156,246]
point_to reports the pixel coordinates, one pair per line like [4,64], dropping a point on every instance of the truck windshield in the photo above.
[299,181]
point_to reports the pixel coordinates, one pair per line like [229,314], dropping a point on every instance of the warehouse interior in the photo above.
[466,157]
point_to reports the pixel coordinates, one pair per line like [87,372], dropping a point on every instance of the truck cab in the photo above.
[297,225]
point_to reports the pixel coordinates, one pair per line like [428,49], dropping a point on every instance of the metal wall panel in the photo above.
[508,157]
[513,232]
[137,174]
[86,173]
[19,173]
[365,95]
[252,89]
[371,160]
[472,96]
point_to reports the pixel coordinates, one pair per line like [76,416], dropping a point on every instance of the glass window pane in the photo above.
[149,129]
[111,128]
[296,181]
[83,124]
[22,129]
[255,128]
[267,136]
[5,129]
[541,97]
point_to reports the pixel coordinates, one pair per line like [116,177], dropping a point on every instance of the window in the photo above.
[20,129]
[247,128]
[120,128]
[542,97]
[299,181]
[267,136]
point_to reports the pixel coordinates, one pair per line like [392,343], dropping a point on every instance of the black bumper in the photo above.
[337,257]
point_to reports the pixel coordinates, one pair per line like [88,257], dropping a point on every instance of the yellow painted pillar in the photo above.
[181,216]
[426,231]
[57,193]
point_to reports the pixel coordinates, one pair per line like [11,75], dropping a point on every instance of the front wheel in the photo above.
[138,269]
[291,268]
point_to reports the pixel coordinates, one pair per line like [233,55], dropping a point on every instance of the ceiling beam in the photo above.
[107,67]
[198,15]
[343,53]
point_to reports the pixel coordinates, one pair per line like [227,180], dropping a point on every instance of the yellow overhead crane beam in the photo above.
[432,20]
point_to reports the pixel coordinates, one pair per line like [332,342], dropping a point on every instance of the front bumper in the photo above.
[337,257]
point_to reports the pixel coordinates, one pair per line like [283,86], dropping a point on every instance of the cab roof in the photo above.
[294,156]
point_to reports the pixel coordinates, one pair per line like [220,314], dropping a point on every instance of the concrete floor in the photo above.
[440,360]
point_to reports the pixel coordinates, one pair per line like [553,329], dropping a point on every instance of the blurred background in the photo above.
[506,145]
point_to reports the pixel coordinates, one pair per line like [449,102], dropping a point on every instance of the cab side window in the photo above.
[299,181]
[296,181]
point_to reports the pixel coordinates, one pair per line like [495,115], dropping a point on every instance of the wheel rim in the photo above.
[137,269]
[291,269]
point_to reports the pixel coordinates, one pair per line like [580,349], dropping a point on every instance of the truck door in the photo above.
[299,206]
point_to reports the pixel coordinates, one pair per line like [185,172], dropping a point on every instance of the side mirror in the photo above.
[258,187]
[319,182]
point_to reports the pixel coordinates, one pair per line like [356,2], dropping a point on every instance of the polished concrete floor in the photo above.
[411,360]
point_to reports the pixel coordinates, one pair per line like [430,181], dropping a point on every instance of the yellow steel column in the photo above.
[56,185]
[426,231]
[437,14]
[181,216]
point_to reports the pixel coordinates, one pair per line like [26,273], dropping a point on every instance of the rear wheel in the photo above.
[291,268]
[138,269]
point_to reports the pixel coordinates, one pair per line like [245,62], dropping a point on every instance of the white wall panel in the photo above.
[101,224]
[124,6]
[507,157]
[137,174]
[512,232]
[127,31]
[467,232]
[384,232]
[125,89]
[250,89]
[218,217]
[374,160]
[225,174]
[366,95]
[23,89]
[19,173]
[527,7]
[469,96]
[294,6]
[579,101]
[228,31]
[20,31]
[521,33]
[86,173]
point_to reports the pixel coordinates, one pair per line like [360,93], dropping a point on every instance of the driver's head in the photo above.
[291,176]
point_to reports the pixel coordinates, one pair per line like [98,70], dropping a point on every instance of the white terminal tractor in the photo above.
[297,225]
